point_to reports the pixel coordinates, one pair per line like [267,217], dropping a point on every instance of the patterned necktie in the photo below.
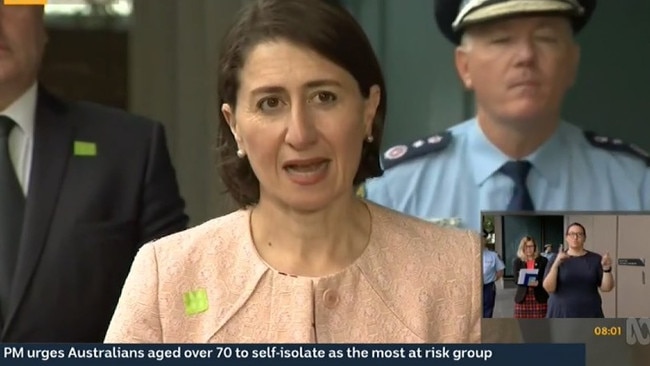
[518,172]
[12,206]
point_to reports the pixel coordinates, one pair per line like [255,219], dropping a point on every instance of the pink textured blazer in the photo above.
[416,282]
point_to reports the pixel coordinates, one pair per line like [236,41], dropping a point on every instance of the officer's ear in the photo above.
[574,62]
[461,58]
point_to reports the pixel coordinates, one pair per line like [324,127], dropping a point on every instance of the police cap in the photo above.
[454,16]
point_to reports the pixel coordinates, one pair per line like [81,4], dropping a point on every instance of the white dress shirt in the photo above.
[21,138]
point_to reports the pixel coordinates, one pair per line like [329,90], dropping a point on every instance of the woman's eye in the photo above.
[500,40]
[324,97]
[269,103]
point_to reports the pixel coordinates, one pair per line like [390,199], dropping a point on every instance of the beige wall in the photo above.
[633,295]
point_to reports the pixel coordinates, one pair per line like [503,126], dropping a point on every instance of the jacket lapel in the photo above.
[51,150]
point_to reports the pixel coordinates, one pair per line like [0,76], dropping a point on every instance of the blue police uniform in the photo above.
[455,175]
[491,265]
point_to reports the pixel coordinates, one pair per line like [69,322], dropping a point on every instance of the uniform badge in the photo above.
[639,150]
[420,147]
[447,221]
[418,144]
[396,152]
[617,145]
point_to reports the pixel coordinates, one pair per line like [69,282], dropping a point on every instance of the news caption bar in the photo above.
[289,354]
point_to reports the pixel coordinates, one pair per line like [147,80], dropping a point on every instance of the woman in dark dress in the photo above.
[530,298]
[573,279]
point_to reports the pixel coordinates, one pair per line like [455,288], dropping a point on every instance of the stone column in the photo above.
[173,48]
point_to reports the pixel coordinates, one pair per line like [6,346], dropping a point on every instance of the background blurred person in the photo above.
[493,268]
[519,58]
[548,252]
[82,187]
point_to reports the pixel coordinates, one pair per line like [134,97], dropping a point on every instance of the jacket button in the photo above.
[330,299]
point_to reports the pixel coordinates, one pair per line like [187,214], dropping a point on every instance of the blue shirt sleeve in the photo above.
[499,263]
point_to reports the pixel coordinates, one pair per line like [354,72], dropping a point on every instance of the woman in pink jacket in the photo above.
[304,259]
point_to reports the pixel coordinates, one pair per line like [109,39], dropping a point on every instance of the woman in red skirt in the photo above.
[530,298]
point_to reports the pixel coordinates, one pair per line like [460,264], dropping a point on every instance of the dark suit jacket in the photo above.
[540,294]
[86,217]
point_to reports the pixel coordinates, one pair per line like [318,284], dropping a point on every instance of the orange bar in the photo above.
[24,2]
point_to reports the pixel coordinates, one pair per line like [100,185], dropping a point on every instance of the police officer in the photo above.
[517,154]
[548,252]
[493,268]
[519,57]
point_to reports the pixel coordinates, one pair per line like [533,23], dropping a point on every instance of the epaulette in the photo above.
[617,145]
[401,153]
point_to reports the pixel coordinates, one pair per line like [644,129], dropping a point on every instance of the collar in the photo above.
[545,158]
[23,110]
[487,158]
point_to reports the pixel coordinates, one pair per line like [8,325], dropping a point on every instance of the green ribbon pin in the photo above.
[195,301]
[84,148]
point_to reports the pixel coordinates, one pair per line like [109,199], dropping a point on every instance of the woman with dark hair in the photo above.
[574,278]
[304,259]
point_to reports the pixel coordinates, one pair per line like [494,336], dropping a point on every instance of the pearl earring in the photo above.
[370,139]
[241,153]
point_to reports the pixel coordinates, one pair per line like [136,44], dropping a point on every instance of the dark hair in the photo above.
[323,27]
[578,225]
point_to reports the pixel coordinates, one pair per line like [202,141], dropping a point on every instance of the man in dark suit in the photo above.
[82,187]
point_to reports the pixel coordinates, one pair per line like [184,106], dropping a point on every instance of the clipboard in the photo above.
[527,276]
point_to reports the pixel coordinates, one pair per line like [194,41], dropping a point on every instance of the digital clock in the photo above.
[608,331]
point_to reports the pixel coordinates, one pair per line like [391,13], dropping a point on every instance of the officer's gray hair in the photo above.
[466,42]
